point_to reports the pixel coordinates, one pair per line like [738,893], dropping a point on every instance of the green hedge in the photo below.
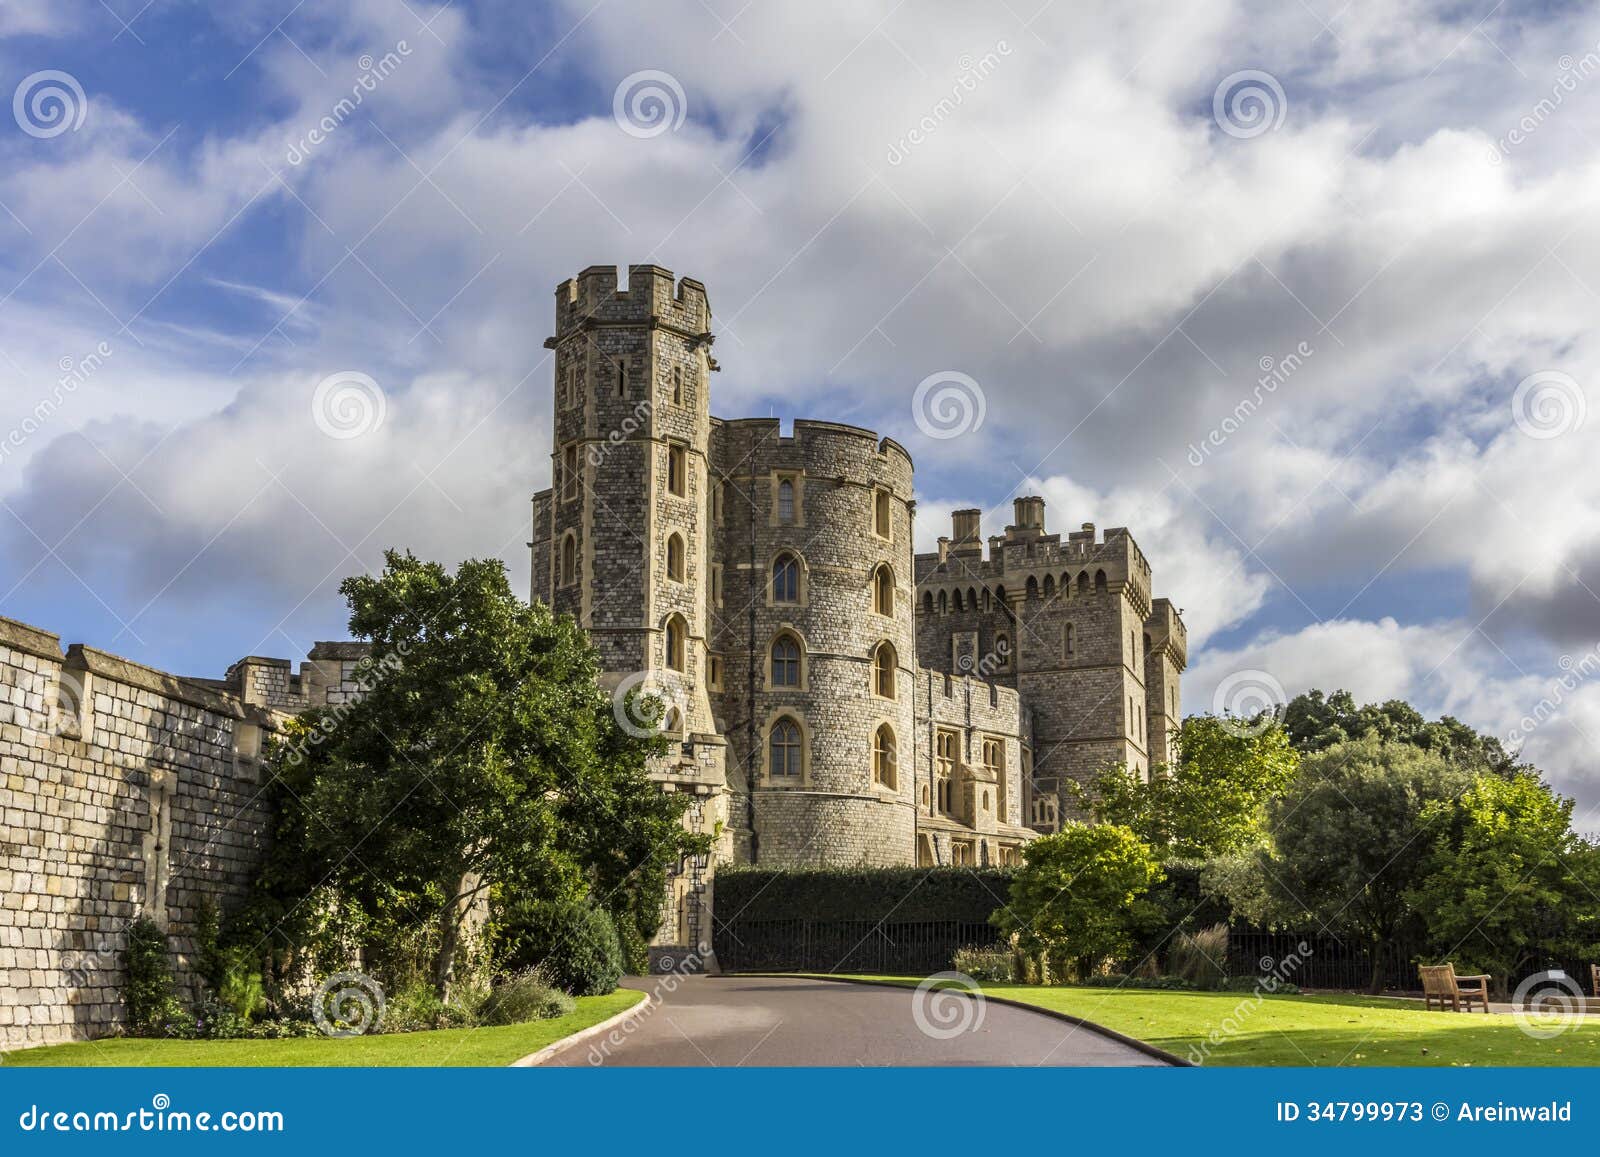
[897,895]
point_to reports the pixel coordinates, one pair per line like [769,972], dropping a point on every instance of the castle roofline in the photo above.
[804,426]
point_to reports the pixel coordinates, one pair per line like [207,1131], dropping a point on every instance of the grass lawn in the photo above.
[454,1046]
[1307,1030]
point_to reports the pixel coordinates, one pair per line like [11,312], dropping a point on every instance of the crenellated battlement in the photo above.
[1167,632]
[653,297]
[819,449]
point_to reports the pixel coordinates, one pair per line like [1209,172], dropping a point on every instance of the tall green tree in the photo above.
[1350,838]
[1073,898]
[1496,872]
[483,753]
[1209,802]
[1316,722]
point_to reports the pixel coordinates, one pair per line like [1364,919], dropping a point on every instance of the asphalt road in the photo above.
[704,1021]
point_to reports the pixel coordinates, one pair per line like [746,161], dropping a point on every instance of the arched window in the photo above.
[1049,586]
[784,749]
[786,579]
[785,661]
[622,380]
[1099,582]
[944,770]
[944,602]
[1033,587]
[883,590]
[675,557]
[972,599]
[677,644]
[569,560]
[987,598]
[785,501]
[883,670]
[956,604]
[1083,582]
[880,513]
[672,722]
[677,385]
[883,756]
[927,602]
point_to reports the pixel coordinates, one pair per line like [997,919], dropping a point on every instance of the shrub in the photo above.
[416,1007]
[241,989]
[996,963]
[152,1005]
[1200,958]
[571,942]
[523,997]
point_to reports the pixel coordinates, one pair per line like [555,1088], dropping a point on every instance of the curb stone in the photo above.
[534,1060]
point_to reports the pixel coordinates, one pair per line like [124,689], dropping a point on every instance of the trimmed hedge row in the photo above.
[897,895]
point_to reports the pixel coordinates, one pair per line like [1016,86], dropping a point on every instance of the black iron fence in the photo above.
[1323,961]
[843,945]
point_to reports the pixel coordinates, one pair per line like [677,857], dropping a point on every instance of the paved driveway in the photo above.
[732,1021]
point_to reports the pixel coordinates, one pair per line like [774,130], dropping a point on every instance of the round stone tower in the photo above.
[815,642]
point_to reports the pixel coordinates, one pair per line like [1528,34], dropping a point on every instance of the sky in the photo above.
[1302,294]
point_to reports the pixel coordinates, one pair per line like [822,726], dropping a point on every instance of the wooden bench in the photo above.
[1440,983]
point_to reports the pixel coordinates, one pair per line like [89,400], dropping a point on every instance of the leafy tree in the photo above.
[1209,802]
[1495,871]
[1073,897]
[1350,836]
[1315,723]
[483,752]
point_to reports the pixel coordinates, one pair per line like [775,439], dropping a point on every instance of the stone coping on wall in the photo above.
[80,657]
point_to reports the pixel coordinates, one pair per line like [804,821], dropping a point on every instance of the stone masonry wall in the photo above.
[122,790]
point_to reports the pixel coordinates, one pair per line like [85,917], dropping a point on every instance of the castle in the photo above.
[834,698]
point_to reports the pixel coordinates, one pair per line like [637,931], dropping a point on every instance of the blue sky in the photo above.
[1111,220]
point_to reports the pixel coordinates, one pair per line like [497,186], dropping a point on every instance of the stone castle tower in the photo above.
[836,699]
